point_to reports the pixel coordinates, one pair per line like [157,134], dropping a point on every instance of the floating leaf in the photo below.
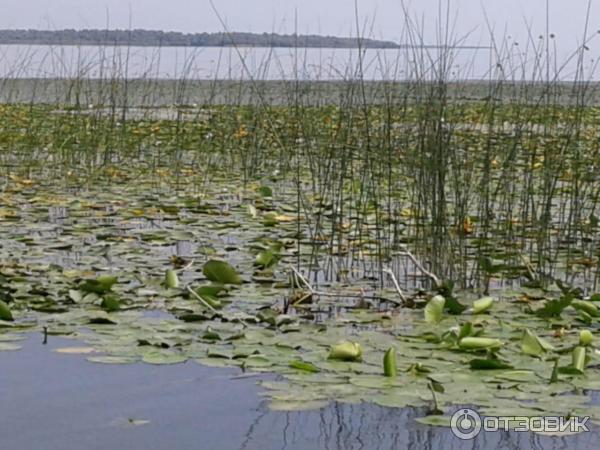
[5,313]
[267,258]
[265,191]
[75,295]
[488,364]
[517,375]
[192,317]
[553,308]
[570,370]
[434,309]
[533,345]
[303,365]
[557,433]
[435,420]
[268,315]
[209,294]
[211,335]
[100,285]
[454,306]
[397,399]
[110,303]
[374,381]
[221,272]
[112,359]
[212,290]
[163,357]
[418,368]
[102,320]
[257,361]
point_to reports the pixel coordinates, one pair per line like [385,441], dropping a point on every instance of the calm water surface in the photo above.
[43,61]
[55,401]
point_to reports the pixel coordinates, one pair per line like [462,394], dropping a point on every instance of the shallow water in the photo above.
[60,401]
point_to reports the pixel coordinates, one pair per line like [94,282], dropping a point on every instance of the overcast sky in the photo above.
[333,17]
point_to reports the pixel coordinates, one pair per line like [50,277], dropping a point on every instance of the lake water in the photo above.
[43,61]
[56,401]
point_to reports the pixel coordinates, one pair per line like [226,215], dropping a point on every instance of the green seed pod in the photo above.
[434,309]
[478,343]
[578,358]
[586,306]
[482,305]
[585,338]
[389,363]
[346,351]
[171,279]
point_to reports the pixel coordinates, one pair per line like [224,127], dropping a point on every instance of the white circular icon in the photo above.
[465,423]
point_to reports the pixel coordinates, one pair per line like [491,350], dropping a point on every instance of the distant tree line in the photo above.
[173,38]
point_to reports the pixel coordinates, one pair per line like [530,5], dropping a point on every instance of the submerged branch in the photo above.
[200,299]
[389,272]
[437,282]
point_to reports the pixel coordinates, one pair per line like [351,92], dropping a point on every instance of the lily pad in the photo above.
[5,313]
[221,272]
[163,357]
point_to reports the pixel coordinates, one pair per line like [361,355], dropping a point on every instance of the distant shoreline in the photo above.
[152,38]
[399,47]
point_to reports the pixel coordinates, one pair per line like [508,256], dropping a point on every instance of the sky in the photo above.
[384,19]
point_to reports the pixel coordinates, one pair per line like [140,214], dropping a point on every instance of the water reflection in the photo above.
[365,426]
[57,214]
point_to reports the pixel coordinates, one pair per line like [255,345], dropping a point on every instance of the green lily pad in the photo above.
[435,420]
[100,285]
[534,345]
[221,272]
[5,313]
[163,357]
[304,366]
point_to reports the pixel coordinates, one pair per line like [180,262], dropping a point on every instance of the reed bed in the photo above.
[484,184]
